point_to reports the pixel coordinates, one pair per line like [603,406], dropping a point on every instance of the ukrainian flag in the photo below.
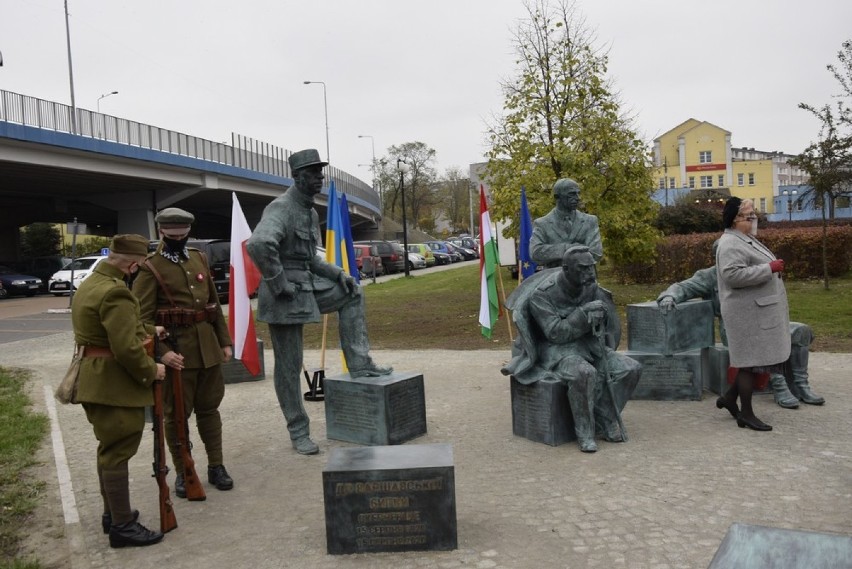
[339,249]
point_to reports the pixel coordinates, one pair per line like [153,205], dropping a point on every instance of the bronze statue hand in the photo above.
[347,282]
[289,290]
[667,304]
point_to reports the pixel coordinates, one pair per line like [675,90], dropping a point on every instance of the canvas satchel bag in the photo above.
[66,392]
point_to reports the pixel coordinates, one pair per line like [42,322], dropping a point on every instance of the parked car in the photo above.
[16,283]
[425,251]
[393,257]
[443,255]
[416,261]
[368,261]
[465,241]
[42,267]
[467,254]
[60,282]
[3,293]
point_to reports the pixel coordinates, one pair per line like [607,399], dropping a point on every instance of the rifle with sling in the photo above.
[194,489]
[168,521]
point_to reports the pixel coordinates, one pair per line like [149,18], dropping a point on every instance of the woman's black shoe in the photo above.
[755,424]
[721,403]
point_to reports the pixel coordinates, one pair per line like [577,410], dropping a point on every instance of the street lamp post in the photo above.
[790,194]
[70,72]
[325,106]
[104,96]
[373,163]
[402,167]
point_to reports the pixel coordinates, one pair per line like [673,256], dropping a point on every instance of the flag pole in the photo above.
[324,336]
[508,313]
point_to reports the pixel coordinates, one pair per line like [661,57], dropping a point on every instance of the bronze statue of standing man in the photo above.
[298,286]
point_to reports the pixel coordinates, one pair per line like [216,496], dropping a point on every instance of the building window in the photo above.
[842,202]
[692,182]
[706,181]
[721,180]
[662,183]
[671,183]
[705,157]
[762,204]
[740,179]
[751,178]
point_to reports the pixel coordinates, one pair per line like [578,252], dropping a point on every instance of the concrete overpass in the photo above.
[114,174]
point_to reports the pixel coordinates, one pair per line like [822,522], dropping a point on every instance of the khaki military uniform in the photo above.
[114,390]
[200,341]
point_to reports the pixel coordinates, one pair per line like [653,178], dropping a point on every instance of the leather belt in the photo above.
[295,264]
[97,352]
[200,315]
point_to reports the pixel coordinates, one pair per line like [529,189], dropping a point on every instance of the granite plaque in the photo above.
[541,412]
[386,410]
[759,546]
[390,498]
[715,372]
[689,327]
[235,372]
[669,378]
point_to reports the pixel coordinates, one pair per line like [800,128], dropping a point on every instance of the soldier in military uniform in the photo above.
[563,227]
[175,289]
[115,380]
[298,286]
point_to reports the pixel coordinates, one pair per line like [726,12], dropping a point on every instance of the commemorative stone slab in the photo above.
[748,545]
[390,498]
[689,327]
[541,412]
[386,410]
[678,377]
[716,369]
[235,372]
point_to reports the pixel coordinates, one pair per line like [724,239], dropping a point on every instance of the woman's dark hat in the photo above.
[305,158]
[732,208]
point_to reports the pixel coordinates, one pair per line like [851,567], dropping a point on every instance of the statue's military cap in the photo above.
[305,158]
[174,217]
[129,244]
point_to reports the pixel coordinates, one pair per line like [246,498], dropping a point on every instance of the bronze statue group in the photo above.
[568,330]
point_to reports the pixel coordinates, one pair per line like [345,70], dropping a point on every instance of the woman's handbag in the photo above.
[67,390]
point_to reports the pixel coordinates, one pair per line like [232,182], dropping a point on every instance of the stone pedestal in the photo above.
[689,327]
[390,498]
[387,410]
[541,412]
[678,377]
[235,372]
[759,546]
[715,363]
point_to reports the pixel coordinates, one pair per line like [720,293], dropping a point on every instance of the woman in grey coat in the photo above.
[754,308]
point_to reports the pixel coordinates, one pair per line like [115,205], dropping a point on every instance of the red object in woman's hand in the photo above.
[777,265]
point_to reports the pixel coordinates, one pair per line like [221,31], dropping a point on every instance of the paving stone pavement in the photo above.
[663,500]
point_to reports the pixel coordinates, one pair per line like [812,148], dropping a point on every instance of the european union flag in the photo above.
[527,265]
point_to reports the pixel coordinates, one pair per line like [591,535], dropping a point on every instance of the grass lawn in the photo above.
[21,435]
[441,310]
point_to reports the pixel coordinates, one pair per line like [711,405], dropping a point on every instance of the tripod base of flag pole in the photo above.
[315,384]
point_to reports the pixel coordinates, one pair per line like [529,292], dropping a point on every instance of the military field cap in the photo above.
[129,244]
[305,158]
[174,217]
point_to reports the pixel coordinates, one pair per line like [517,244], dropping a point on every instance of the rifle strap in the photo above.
[162,282]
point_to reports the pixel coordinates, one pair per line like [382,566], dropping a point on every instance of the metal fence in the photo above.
[243,152]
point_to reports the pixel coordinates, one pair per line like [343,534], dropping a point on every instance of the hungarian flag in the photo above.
[245,278]
[489,305]
[527,265]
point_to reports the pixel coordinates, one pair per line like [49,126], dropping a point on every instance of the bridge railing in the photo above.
[243,152]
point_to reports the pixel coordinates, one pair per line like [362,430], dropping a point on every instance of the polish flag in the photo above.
[245,278]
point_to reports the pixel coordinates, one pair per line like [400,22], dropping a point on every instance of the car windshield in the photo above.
[79,264]
[6,271]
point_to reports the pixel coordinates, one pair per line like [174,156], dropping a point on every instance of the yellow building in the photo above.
[698,155]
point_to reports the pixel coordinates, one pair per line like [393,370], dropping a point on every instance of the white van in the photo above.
[60,283]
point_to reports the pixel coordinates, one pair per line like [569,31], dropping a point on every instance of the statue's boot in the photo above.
[582,409]
[352,327]
[799,356]
[781,392]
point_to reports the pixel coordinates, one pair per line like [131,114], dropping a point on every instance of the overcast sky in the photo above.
[416,70]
